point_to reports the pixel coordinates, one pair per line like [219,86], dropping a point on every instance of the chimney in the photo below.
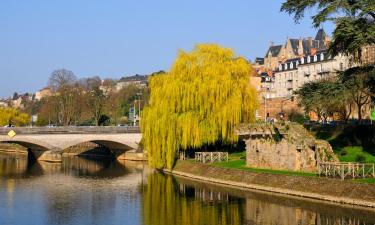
[300,47]
[309,39]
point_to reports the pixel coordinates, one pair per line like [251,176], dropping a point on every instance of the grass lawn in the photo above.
[352,153]
[367,180]
[237,161]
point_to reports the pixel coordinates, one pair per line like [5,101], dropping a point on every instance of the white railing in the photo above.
[210,157]
[346,170]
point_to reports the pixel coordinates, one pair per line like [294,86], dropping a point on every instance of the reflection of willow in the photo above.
[164,204]
[101,167]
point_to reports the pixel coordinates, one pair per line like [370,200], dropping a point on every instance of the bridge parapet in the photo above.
[72,130]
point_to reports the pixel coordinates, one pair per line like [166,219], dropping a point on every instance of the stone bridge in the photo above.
[49,144]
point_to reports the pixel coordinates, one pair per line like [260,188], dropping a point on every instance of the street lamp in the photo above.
[265,104]
[139,94]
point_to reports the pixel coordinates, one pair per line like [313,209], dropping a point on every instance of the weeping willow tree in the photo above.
[199,102]
[164,204]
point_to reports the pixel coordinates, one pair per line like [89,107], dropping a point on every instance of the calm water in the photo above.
[84,191]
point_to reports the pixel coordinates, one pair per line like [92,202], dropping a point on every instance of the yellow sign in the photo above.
[11,133]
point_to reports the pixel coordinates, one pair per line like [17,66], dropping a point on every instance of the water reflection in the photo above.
[99,191]
[187,205]
[263,208]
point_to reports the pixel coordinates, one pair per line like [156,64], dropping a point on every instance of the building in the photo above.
[45,92]
[294,48]
[3,103]
[368,55]
[294,73]
[137,80]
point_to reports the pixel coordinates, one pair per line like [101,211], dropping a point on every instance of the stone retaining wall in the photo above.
[346,192]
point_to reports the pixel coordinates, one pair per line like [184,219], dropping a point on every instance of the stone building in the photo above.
[283,147]
[137,80]
[294,73]
[45,92]
[368,55]
[294,48]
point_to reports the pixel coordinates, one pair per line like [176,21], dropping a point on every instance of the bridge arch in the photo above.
[29,143]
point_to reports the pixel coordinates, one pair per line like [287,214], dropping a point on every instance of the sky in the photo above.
[116,38]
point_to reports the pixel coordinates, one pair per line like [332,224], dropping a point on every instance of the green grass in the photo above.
[237,161]
[366,181]
[352,154]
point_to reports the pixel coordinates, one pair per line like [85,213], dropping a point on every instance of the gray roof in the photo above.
[295,44]
[274,50]
[321,35]
[136,77]
[259,60]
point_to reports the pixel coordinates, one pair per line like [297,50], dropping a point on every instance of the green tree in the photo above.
[360,83]
[325,98]
[199,102]
[355,26]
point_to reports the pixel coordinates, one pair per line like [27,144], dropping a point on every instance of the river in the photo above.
[103,191]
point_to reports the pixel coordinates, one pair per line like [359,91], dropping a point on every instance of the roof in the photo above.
[259,60]
[295,45]
[321,35]
[274,50]
[136,77]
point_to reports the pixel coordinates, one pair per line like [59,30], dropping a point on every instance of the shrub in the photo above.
[343,152]
[360,158]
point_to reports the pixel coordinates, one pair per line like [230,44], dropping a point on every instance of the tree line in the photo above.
[85,101]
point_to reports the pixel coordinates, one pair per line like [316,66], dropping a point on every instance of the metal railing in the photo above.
[346,170]
[210,157]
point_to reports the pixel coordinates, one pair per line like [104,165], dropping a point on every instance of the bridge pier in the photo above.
[46,156]
[133,155]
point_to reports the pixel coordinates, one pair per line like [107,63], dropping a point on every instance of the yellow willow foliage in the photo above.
[13,116]
[200,101]
[163,205]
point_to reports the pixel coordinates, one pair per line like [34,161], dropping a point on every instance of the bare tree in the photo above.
[90,83]
[61,78]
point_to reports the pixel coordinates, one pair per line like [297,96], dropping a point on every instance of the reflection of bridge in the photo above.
[49,143]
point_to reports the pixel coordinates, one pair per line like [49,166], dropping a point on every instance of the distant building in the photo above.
[294,73]
[45,92]
[294,48]
[368,55]
[137,80]
[3,103]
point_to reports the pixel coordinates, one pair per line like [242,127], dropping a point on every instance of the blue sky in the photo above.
[114,38]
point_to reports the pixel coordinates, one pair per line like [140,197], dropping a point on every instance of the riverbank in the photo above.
[326,189]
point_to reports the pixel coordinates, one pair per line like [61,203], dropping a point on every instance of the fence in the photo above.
[346,170]
[210,157]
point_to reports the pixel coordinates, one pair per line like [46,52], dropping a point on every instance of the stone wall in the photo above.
[283,147]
